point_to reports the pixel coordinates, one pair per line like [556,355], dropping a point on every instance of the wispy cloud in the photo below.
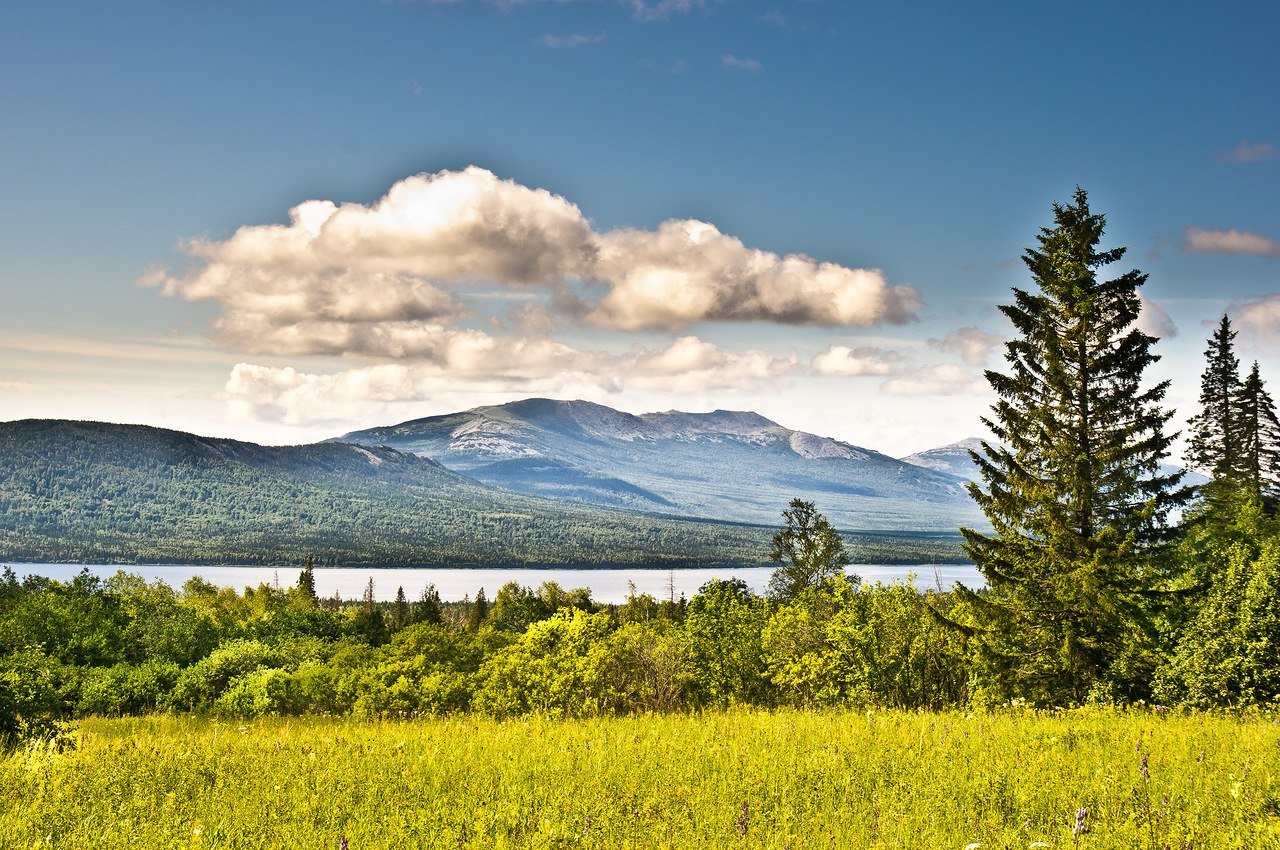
[687,366]
[1247,151]
[973,345]
[1211,240]
[659,10]
[942,379]
[843,361]
[570,41]
[728,60]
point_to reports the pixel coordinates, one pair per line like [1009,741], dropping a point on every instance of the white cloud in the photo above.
[688,366]
[942,379]
[688,272]
[1218,241]
[1259,320]
[728,60]
[1247,151]
[570,41]
[389,279]
[973,345]
[842,361]
[1154,320]
[16,386]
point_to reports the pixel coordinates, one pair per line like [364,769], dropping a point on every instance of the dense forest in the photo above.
[1107,581]
[85,492]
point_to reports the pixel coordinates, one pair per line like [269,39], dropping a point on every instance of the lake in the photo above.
[606,585]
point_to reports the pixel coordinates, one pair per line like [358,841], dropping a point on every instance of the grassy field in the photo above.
[737,779]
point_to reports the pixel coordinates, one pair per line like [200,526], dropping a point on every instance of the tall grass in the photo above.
[734,779]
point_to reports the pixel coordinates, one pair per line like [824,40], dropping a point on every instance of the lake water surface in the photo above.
[606,585]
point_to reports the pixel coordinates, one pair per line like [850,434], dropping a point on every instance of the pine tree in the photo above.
[809,547]
[307,579]
[1260,439]
[401,616]
[1074,494]
[479,610]
[1215,444]
[428,608]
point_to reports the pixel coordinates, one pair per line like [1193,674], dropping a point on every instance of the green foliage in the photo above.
[809,547]
[878,646]
[724,623]
[1074,495]
[556,668]
[1228,653]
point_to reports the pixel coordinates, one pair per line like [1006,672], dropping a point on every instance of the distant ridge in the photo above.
[725,465]
[952,459]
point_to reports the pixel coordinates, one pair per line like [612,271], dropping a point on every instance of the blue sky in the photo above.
[923,142]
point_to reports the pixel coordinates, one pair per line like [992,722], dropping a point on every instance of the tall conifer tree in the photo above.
[1260,438]
[1073,490]
[1216,442]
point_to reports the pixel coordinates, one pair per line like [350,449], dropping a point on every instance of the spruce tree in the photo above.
[428,608]
[1260,439]
[307,579]
[401,616]
[1215,444]
[479,610]
[1072,487]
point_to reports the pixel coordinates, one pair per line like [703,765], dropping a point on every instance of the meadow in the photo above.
[1086,778]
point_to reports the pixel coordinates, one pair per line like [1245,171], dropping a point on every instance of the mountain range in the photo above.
[723,465]
[533,482]
[86,492]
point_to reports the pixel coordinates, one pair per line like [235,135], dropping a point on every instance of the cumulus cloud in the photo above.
[728,60]
[843,361]
[389,279]
[570,41]
[973,345]
[688,365]
[1259,320]
[1247,151]
[1209,240]
[942,379]
[688,271]
[1154,320]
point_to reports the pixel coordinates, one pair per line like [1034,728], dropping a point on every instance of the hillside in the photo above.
[89,492]
[724,465]
[85,492]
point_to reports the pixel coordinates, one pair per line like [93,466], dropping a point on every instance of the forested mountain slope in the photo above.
[93,492]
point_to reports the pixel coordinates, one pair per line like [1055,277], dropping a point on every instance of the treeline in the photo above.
[819,639]
[124,646]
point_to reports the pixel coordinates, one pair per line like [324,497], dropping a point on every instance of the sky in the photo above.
[282,221]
